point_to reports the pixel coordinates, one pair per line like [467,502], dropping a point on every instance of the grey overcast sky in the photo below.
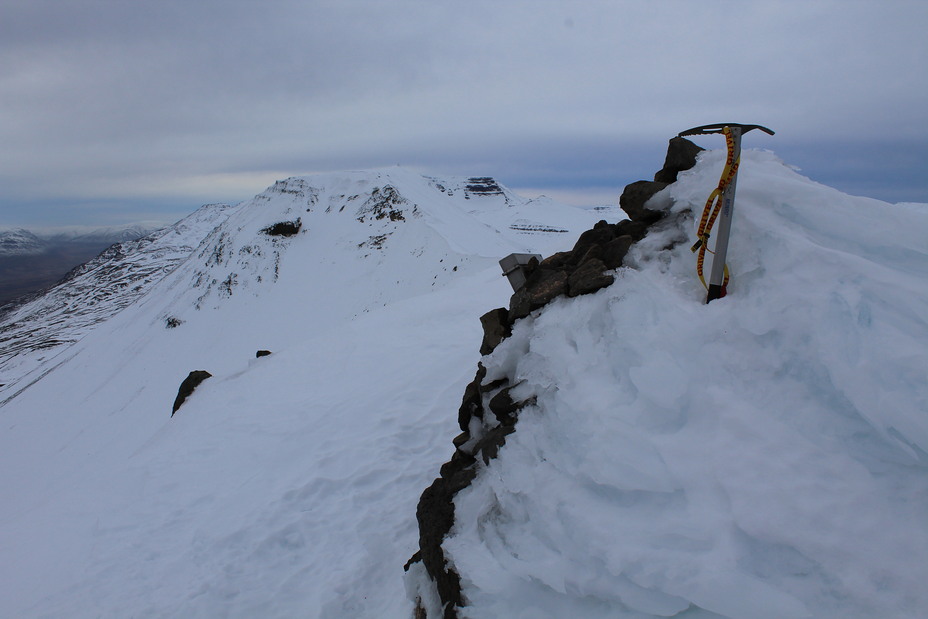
[114,111]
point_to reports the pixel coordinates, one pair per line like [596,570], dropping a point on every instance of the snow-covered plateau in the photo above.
[765,455]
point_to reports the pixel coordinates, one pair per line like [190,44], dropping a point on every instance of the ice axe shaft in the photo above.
[717,274]
[716,286]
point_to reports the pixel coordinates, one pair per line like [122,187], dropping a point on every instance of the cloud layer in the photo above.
[127,106]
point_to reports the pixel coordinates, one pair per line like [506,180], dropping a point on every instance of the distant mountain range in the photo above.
[31,261]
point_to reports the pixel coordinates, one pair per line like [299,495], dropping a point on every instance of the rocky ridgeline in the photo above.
[488,413]
[483,186]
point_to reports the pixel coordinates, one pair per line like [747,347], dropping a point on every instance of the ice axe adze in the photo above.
[726,193]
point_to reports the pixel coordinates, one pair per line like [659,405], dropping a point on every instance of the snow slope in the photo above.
[765,455]
[285,486]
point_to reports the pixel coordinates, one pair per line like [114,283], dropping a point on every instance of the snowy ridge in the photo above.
[762,456]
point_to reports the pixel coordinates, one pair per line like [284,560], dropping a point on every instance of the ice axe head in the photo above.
[719,128]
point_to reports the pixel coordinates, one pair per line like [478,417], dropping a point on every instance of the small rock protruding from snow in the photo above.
[187,387]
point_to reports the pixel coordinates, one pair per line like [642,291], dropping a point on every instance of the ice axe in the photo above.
[724,200]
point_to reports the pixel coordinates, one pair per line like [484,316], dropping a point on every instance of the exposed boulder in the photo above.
[187,387]
[589,277]
[556,261]
[262,353]
[681,155]
[541,287]
[634,198]
[598,236]
[495,329]
[488,447]
[635,229]
[584,269]
[472,402]
[505,409]
[614,251]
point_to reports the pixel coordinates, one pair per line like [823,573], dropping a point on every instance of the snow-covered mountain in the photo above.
[764,455]
[20,242]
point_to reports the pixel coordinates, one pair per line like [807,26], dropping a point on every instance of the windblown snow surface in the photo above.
[761,456]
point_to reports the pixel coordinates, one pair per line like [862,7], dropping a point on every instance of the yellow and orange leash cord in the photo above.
[712,209]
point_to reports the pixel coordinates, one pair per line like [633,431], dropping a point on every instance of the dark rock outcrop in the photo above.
[435,514]
[435,511]
[614,251]
[634,198]
[472,402]
[284,228]
[589,277]
[172,322]
[681,155]
[187,387]
[384,203]
[582,270]
[505,409]
[495,329]
[262,353]
[483,186]
[541,287]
